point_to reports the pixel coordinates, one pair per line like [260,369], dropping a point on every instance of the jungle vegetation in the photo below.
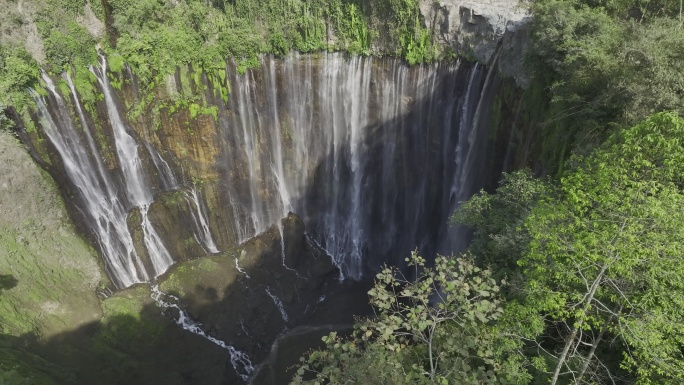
[155,37]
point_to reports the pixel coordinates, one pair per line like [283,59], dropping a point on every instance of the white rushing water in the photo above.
[279,304]
[240,269]
[363,149]
[240,361]
[169,180]
[136,181]
[281,232]
[199,220]
[104,209]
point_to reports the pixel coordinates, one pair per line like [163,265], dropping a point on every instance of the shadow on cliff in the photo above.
[144,348]
[415,171]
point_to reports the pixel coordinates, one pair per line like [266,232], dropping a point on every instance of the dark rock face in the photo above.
[251,296]
[483,30]
[248,306]
[169,209]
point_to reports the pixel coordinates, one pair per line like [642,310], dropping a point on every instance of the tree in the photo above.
[440,328]
[606,259]
[497,220]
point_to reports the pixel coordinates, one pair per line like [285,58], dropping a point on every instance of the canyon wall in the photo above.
[372,154]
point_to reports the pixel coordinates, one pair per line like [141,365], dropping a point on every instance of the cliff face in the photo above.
[48,274]
[373,155]
[483,29]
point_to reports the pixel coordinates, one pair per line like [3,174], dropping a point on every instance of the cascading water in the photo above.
[279,304]
[102,206]
[168,180]
[106,199]
[136,182]
[199,219]
[240,361]
[364,150]
[240,269]
[372,155]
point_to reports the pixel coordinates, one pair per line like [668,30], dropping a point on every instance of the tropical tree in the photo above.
[605,262]
[440,328]
[497,220]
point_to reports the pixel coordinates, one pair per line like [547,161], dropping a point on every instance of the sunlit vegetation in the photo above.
[156,37]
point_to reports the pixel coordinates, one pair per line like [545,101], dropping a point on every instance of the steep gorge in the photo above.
[189,185]
[372,154]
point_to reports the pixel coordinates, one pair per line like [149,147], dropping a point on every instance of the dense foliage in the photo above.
[155,37]
[603,66]
[439,328]
[18,71]
[605,258]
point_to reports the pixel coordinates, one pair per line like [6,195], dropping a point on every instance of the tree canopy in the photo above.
[440,328]
[606,257]
[603,65]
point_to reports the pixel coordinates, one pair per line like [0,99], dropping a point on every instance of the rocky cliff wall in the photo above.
[371,153]
[490,31]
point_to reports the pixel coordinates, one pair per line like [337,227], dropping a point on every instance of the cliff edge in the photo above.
[477,28]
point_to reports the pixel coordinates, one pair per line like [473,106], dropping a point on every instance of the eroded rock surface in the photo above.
[477,28]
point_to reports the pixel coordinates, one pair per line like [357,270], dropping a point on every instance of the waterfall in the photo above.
[240,269]
[168,180]
[279,304]
[199,219]
[371,154]
[101,204]
[135,180]
[365,150]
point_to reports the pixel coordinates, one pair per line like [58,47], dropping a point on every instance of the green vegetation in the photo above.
[605,254]
[18,72]
[20,367]
[125,327]
[440,328]
[155,38]
[598,269]
[53,272]
[603,66]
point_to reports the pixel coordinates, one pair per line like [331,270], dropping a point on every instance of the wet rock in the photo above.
[166,213]
[249,296]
